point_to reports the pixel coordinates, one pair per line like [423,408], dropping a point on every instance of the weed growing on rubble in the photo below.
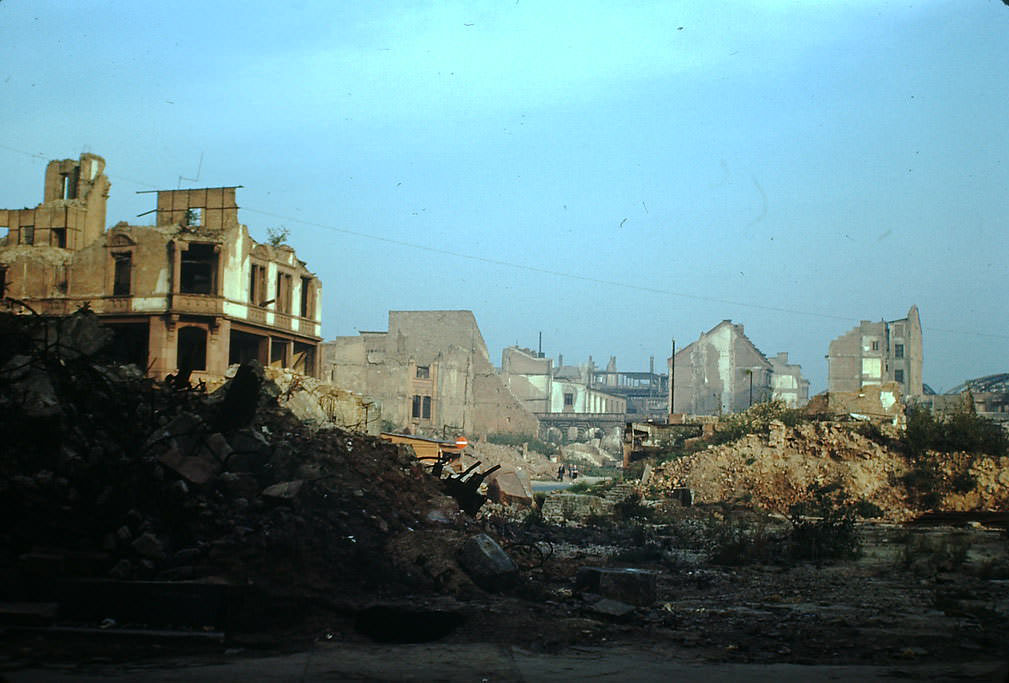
[517,440]
[823,527]
[756,419]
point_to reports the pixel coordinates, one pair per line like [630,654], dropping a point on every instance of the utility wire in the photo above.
[543,271]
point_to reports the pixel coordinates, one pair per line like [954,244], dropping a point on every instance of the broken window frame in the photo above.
[26,235]
[898,351]
[257,284]
[282,292]
[122,273]
[415,413]
[425,408]
[423,372]
[190,269]
[58,237]
[307,298]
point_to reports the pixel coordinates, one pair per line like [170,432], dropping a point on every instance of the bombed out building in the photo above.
[193,291]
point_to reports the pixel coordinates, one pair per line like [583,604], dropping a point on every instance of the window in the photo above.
[58,237]
[3,281]
[898,351]
[192,349]
[27,235]
[199,269]
[569,399]
[421,407]
[283,293]
[898,375]
[257,284]
[307,300]
[194,217]
[875,346]
[121,277]
[423,372]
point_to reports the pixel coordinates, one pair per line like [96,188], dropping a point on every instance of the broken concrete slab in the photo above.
[634,586]
[509,487]
[487,563]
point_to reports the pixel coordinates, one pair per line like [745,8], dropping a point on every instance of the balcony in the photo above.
[197,304]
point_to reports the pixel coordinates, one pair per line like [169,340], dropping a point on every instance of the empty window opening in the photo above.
[192,348]
[129,344]
[303,360]
[68,188]
[569,399]
[123,271]
[244,346]
[257,285]
[898,351]
[307,302]
[282,293]
[199,269]
[193,217]
[58,237]
[27,234]
[875,346]
[279,353]
[898,375]
[423,372]
[3,281]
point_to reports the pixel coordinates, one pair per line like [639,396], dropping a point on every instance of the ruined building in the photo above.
[721,372]
[563,396]
[192,291]
[787,383]
[876,353]
[431,373]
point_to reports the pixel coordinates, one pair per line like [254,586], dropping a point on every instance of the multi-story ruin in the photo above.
[192,292]
[721,372]
[431,373]
[876,353]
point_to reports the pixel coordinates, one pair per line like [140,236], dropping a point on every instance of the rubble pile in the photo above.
[107,474]
[779,469]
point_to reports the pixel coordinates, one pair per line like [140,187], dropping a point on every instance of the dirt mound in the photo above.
[777,470]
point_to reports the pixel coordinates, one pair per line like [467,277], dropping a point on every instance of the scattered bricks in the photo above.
[559,508]
[285,490]
[487,564]
[634,586]
[149,546]
[218,447]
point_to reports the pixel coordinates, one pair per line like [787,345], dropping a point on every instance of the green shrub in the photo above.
[756,419]
[831,534]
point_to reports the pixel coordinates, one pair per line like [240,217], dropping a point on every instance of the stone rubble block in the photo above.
[487,563]
[633,586]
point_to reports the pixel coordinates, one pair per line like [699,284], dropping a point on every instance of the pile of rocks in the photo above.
[107,474]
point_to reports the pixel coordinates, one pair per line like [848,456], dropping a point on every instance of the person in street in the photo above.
[560,473]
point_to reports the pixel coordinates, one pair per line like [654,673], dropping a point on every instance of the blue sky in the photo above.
[611,174]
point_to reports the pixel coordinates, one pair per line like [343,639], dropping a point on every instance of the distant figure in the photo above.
[560,473]
[574,472]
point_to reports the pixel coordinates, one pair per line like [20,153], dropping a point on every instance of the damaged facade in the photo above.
[430,371]
[191,292]
[876,353]
[721,372]
[563,396]
[787,383]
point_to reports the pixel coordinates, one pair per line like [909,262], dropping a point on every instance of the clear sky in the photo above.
[613,174]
